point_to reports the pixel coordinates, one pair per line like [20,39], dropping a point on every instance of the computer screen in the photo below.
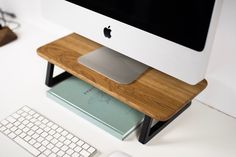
[177,21]
[174,37]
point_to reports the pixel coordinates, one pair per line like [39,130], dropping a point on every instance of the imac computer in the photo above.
[174,37]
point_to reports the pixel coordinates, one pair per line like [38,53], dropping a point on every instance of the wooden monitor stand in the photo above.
[159,96]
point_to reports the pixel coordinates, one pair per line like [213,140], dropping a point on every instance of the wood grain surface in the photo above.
[155,94]
[6,36]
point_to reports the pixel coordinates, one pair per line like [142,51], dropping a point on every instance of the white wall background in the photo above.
[221,74]
[30,11]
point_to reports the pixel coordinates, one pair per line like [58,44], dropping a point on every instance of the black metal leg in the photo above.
[148,131]
[50,80]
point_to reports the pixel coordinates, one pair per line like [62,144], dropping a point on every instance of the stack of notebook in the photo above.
[96,106]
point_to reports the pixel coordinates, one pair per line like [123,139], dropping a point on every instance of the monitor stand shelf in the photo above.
[159,96]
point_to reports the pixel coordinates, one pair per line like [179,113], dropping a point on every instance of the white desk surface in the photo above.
[22,83]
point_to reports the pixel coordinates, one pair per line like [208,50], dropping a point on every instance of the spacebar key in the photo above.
[27,146]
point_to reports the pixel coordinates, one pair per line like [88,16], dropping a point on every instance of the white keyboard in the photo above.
[42,137]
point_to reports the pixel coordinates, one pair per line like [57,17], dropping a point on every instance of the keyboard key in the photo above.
[72,145]
[42,148]
[40,118]
[35,136]
[21,119]
[74,139]
[22,135]
[25,122]
[54,126]
[40,139]
[84,153]
[54,141]
[69,136]
[67,142]
[37,145]
[52,132]
[26,109]
[49,137]
[26,129]
[34,128]
[17,123]
[36,115]
[33,120]
[62,138]
[47,152]
[11,119]
[13,128]
[3,128]
[45,142]
[42,155]
[64,148]
[75,155]
[18,132]
[52,155]
[15,115]
[80,142]
[85,146]
[60,153]
[32,141]
[27,146]
[44,134]
[47,129]
[59,144]
[31,112]
[42,126]
[30,125]
[21,126]
[50,146]
[91,150]
[24,114]
[30,133]
[45,121]
[55,149]
[27,138]
[12,135]
[56,135]
[37,123]
[39,131]
[4,122]
[20,111]
[49,124]
[59,130]
[64,133]
[28,117]
[9,125]
[70,151]
[7,131]
[78,149]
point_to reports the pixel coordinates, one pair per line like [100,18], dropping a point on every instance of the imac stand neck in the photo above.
[115,66]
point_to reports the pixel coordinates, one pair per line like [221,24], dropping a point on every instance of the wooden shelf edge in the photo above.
[155,108]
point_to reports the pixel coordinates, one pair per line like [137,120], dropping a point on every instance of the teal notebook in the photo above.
[96,106]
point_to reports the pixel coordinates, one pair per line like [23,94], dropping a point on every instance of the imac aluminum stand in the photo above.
[113,65]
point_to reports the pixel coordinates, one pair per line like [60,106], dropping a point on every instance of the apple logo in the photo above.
[107,32]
